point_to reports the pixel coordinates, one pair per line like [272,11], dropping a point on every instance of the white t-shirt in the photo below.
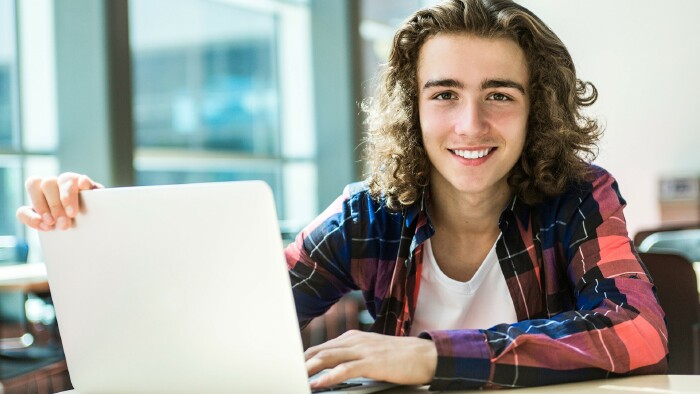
[447,304]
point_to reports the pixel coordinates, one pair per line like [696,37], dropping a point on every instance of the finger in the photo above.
[28,216]
[70,184]
[68,193]
[49,186]
[339,374]
[36,195]
[329,358]
[85,183]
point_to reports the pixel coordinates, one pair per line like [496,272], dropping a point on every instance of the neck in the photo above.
[468,214]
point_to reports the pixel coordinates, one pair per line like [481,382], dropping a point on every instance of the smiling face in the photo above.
[473,104]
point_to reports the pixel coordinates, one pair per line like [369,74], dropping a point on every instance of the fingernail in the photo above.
[70,211]
[47,218]
[45,227]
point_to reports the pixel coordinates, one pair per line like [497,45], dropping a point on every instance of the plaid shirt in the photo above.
[585,303]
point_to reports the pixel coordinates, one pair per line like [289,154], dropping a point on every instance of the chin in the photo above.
[470,188]
[474,186]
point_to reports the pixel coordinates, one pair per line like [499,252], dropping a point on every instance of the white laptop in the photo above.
[177,289]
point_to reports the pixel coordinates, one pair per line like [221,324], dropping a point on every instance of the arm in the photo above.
[319,261]
[338,252]
[616,328]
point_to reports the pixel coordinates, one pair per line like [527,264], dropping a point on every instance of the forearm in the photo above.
[611,339]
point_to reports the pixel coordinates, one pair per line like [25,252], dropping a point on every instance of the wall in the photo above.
[643,57]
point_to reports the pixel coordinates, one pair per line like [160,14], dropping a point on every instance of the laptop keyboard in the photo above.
[337,387]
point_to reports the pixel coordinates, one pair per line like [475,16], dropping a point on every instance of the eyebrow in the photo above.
[486,84]
[443,83]
[502,83]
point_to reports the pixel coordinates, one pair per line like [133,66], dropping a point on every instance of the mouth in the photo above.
[472,154]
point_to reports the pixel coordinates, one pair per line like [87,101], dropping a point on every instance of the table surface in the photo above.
[666,384]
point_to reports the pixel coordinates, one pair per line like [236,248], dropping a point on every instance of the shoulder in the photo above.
[358,191]
[599,186]
[361,204]
[587,203]
[586,210]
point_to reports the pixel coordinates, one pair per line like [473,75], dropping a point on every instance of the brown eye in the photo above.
[445,96]
[499,97]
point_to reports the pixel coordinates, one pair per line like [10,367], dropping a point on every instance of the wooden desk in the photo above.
[27,278]
[47,376]
[42,370]
[667,384]
[45,380]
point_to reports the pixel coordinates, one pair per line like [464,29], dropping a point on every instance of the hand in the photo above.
[54,199]
[402,360]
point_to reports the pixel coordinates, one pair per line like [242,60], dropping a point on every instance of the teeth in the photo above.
[472,154]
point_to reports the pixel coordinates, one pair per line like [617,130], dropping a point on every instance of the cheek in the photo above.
[427,126]
[433,124]
[507,117]
[512,124]
[431,137]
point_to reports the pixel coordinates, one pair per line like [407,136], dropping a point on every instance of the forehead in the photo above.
[470,58]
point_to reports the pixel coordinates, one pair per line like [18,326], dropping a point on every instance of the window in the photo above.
[212,101]
[9,169]
[19,152]
[222,90]
[27,141]
[379,21]
[6,71]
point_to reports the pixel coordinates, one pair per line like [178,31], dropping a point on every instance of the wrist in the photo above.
[429,358]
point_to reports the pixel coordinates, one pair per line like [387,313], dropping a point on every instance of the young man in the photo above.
[488,250]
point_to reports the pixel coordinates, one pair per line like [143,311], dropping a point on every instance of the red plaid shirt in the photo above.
[585,303]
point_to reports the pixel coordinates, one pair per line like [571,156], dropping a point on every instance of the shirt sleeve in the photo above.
[319,260]
[616,328]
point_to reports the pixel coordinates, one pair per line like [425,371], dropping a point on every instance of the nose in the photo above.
[470,119]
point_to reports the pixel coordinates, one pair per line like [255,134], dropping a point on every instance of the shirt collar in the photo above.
[414,210]
[417,220]
[519,209]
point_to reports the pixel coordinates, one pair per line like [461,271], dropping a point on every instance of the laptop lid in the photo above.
[180,288]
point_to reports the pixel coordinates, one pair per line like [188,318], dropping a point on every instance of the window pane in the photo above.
[10,194]
[269,174]
[5,107]
[167,177]
[204,77]
[7,72]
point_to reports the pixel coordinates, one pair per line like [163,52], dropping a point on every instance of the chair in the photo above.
[13,251]
[677,289]
[640,236]
[685,242]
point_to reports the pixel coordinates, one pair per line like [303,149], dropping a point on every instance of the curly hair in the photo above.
[560,139]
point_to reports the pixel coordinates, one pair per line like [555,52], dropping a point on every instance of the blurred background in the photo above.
[169,91]
[143,92]
[149,92]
